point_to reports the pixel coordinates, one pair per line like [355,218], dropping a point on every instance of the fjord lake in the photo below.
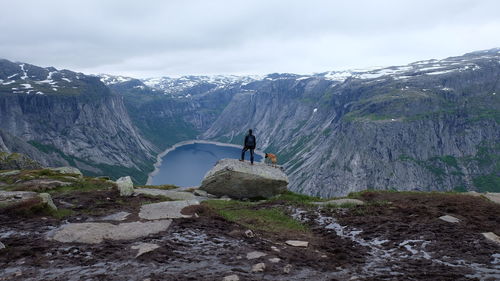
[185,165]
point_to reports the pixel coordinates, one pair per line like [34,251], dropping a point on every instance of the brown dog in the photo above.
[272,158]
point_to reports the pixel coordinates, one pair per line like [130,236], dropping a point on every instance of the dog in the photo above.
[272,157]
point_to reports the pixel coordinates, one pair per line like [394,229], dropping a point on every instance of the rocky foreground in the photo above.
[104,230]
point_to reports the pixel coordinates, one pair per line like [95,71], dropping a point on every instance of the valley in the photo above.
[430,125]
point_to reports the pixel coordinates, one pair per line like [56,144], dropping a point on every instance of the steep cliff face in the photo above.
[430,125]
[73,115]
[166,117]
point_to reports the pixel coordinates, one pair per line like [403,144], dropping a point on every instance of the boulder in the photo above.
[68,170]
[47,199]
[125,186]
[238,180]
[450,219]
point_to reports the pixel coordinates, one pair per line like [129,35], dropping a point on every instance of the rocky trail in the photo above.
[157,234]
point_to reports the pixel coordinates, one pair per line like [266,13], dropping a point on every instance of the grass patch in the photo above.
[296,198]
[245,214]
[487,183]
[87,184]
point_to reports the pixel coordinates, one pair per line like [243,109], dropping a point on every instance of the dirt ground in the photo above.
[395,236]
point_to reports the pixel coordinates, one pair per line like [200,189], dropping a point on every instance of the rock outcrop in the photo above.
[14,161]
[17,200]
[237,179]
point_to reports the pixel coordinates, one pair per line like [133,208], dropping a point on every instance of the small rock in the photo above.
[492,237]
[144,248]
[287,269]
[275,260]
[239,257]
[2,246]
[255,255]
[259,267]
[125,186]
[449,218]
[47,199]
[297,243]
[274,248]
[324,256]
[120,216]
[249,234]
[233,277]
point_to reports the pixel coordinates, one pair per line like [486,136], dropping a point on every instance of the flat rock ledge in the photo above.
[94,233]
[165,210]
[237,179]
[342,201]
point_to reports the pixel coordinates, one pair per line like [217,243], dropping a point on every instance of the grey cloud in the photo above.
[152,38]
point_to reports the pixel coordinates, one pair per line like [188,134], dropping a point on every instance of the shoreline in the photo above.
[159,157]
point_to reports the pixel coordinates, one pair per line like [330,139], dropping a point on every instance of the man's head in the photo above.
[250,131]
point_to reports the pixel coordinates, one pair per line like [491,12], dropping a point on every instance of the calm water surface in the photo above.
[187,165]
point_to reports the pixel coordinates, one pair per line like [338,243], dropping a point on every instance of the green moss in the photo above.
[296,198]
[269,219]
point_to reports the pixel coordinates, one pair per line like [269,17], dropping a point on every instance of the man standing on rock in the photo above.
[250,143]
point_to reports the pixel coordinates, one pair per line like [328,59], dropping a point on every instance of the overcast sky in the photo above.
[144,38]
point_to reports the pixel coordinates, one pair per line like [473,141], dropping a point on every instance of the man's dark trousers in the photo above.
[245,150]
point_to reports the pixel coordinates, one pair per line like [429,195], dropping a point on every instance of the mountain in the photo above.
[74,116]
[430,125]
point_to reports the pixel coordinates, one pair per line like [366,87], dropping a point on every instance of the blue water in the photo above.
[186,165]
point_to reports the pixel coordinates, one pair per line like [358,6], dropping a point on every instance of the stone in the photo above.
[67,170]
[10,173]
[94,233]
[255,255]
[259,267]
[165,210]
[249,233]
[274,248]
[492,237]
[275,260]
[233,277]
[287,269]
[238,180]
[297,243]
[120,216]
[125,186]
[450,219]
[47,199]
[144,248]
[2,246]
[172,194]
[341,201]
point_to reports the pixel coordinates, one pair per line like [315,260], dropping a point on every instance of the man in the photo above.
[250,143]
